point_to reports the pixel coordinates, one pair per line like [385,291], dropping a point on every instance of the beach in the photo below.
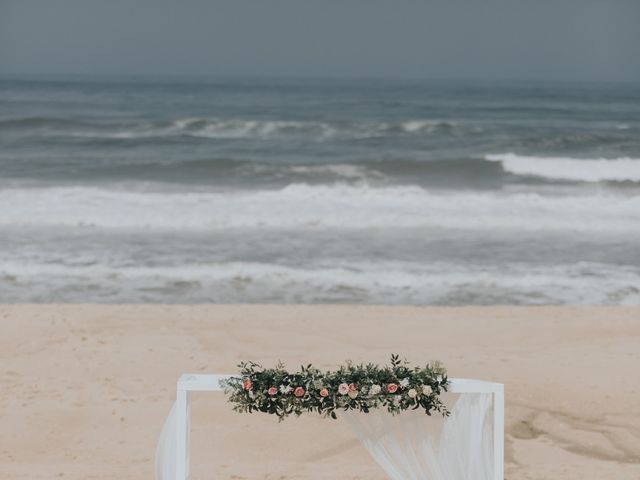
[85,388]
[297,184]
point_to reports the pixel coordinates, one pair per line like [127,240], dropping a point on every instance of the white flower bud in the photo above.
[285,389]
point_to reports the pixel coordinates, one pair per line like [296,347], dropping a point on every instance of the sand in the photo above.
[84,389]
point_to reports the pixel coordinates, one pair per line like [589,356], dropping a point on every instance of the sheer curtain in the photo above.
[409,446]
[414,446]
[166,448]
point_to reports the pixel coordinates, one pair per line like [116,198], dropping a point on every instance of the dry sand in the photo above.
[84,389]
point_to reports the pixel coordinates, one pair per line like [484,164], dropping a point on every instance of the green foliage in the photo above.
[396,387]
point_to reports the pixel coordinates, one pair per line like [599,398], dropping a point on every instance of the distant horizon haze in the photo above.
[209,78]
[566,40]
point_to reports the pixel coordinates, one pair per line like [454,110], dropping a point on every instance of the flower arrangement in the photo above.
[396,387]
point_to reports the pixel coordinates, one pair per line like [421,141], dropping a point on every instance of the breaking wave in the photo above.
[316,206]
[572,169]
[352,282]
[230,128]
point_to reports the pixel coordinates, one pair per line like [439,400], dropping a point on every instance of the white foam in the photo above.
[231,128]
[346,171]
[316,207]
[206,128]
[254,128]
[369,282]
[243,128]
[623,169]
[428,126]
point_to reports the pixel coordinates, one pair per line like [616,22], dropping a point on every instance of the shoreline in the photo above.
[85,388]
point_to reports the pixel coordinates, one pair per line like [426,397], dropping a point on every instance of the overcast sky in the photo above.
[490,39]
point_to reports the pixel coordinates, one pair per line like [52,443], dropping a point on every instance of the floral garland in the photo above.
[396,387]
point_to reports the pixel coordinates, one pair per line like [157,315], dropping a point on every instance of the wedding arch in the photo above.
[469,445]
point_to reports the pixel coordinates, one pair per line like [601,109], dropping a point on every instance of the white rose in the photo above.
[375,389]
[412,393]
[353,394]
[285,389]
[343,388]
[404,383]
[427,390]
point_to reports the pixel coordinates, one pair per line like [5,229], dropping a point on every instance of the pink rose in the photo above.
[247,384]
[352,387]
[392,388]
[298,392]
[272,391]
[324,392]
[343,389]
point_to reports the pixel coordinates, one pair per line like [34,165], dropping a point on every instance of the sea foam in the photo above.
[623,169]
[361,282]
[231,128]
[316,206]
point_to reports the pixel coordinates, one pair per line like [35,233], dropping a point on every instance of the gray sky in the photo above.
[492,39]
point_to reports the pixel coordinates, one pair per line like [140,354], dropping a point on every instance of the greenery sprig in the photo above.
[396,387]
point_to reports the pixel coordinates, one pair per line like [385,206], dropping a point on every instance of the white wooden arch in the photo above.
[211,383]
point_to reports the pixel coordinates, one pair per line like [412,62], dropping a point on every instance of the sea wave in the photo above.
[315,207]
[623,169]
[570,140]
[337,171]
[230,128]
[361,282]
[30,123]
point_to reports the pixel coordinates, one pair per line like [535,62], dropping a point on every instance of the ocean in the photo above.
[369,191]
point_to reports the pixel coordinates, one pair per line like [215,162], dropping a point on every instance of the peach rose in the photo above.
[324,392]
[272,391]
[353,387]
[392,388]
[247,384]
[298,392]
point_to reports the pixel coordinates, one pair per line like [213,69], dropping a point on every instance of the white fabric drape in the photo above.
[166,448]
[408,446]
[414,446]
